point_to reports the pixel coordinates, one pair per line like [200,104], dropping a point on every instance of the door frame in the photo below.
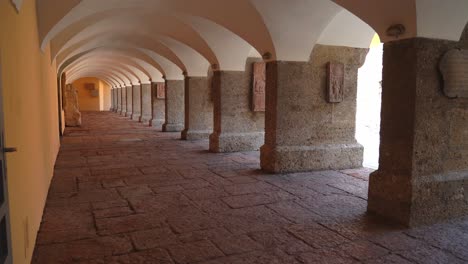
[4,209]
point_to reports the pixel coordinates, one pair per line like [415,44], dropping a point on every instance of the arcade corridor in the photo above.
[123,193]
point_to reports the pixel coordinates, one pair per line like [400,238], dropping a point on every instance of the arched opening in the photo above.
[93,94]
[369,100]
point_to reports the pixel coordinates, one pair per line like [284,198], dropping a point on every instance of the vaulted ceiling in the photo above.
[128,42]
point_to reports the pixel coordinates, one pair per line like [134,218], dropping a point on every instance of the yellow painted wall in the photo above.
[85,100]
[31,122]
[106,98]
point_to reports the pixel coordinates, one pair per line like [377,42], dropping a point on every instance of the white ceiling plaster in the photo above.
[17,4]
[196,64]
[347,30]
[295,26]
[230,50]
[441,19]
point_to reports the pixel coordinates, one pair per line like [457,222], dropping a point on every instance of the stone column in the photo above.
[129,111]
[124,101]
[119,100]
[306,129]
[116,99]
[136,102]
[236,126]
[112,99]
[423,170]
[146,109]
[198,109]
[174,106]
[158,105]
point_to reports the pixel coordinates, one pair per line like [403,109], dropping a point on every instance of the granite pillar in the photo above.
[175,90]
[136,102]
[146,109]
[158,105]
[198,109]
[116,99]
[112,100]
[129,111]
[123,109]
[236,126]
[304,130]
[119,100]
[423,171]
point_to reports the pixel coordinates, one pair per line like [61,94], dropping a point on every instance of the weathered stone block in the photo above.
[423,170]
[236,126]
[303,131]
[136,102]
[71,105]
[175,90]
[198,109]
[146,103]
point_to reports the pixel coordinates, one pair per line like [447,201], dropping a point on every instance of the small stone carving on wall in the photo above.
[335,82]
[454,69]
[259,84]
[160,91]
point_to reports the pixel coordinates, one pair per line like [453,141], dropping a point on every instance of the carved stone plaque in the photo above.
[454,69]
[335,82]
[259,82]
[160,91]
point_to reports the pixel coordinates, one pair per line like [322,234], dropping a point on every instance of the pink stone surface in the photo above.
[162,200]
[259,81]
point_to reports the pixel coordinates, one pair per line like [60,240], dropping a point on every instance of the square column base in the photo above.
[172,127]
[145,119]
[128,114]
[195,135]
[136,117]
[415,201]
[157,123]
[236,142]
[281,159]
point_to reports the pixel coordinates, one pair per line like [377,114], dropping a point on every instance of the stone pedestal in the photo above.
[71,107]
[423,171]
[236,126]
[119,100]
[158,106]
[146,109]
[303,130]
[123,109]
[175,90]
[129,111]
[136,102]
[198,109]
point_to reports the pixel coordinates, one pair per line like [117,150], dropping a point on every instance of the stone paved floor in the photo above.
[126,193]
